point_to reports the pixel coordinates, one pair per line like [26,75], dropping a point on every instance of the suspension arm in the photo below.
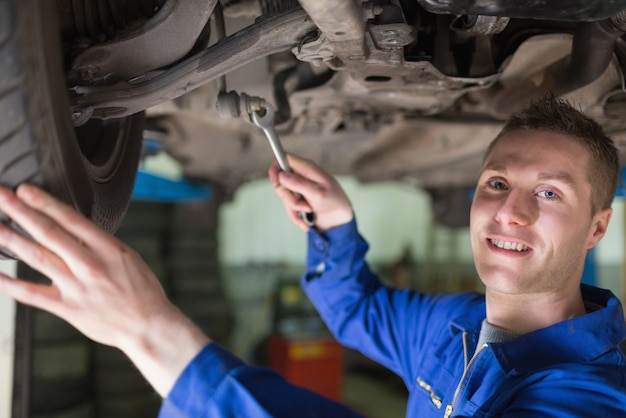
[269,36]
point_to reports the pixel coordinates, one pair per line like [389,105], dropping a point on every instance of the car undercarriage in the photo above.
[408,90]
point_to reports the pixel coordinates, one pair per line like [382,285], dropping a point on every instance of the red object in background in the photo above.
[313,363]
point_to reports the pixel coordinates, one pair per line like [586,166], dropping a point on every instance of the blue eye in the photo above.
[548,194]
[498,184]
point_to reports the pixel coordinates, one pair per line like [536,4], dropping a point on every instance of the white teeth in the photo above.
[508,245]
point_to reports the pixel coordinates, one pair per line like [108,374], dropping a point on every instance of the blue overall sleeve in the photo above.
[391,326]
[217,384]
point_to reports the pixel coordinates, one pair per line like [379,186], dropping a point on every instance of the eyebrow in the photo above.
[499,168]
[542,176]
[557,175]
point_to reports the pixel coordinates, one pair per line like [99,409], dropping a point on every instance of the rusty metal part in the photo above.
[592,50]
[269,36]
[572,11]
[480,25]
[234,105]
[101,20]
[220,31]
[415,86]
[340,23]
[392,35]
[164,39]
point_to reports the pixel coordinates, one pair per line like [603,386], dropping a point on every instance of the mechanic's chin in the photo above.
[503,270]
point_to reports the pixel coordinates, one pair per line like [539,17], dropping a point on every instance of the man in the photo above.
[537,344]
[105,290]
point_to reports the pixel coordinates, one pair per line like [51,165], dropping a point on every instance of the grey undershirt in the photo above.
[492,334]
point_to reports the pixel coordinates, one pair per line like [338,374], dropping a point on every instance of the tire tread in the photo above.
[9,87]
[38,142]
[7,26]
[16,136]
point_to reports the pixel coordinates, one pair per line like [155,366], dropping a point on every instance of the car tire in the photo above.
[92,167]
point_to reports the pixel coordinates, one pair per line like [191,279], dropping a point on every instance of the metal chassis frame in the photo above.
[268,36]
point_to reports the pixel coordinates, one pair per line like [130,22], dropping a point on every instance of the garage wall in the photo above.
[7,329]
[392,216]
[610,252]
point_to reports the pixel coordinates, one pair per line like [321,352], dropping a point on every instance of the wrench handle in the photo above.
[266,123]
[277,148]
[281,157]
[308,217]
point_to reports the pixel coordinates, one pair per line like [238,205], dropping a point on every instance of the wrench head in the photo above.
[266,120]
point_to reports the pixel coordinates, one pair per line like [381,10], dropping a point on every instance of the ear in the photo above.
[599,224]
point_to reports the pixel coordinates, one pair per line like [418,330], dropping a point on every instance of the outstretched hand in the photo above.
[98,284]
[321,192]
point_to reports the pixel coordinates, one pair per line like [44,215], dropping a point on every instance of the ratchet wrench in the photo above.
[266,123]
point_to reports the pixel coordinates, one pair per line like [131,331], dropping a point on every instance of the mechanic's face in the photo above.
[531,222]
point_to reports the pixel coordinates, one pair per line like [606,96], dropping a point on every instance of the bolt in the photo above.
[392,42]
[390,32]
[88,72]
[252,103]
[233,105]
[80,117]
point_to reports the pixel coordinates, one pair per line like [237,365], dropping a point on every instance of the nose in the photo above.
[517,208]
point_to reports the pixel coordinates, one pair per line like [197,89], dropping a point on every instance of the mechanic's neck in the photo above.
[525,313]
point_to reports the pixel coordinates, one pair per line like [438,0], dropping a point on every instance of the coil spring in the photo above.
[271,7]
[100,20]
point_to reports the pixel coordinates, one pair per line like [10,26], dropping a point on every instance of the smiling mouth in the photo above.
[509,245]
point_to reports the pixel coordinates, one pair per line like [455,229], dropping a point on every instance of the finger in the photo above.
[46,297]
[293,206]
[272,172]
[33,254]
[42,228]
[299,184]
[73,222]
[291,201]
[307,168]
[297,220]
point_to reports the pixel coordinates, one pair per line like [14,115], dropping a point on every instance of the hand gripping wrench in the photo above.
[266,123]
